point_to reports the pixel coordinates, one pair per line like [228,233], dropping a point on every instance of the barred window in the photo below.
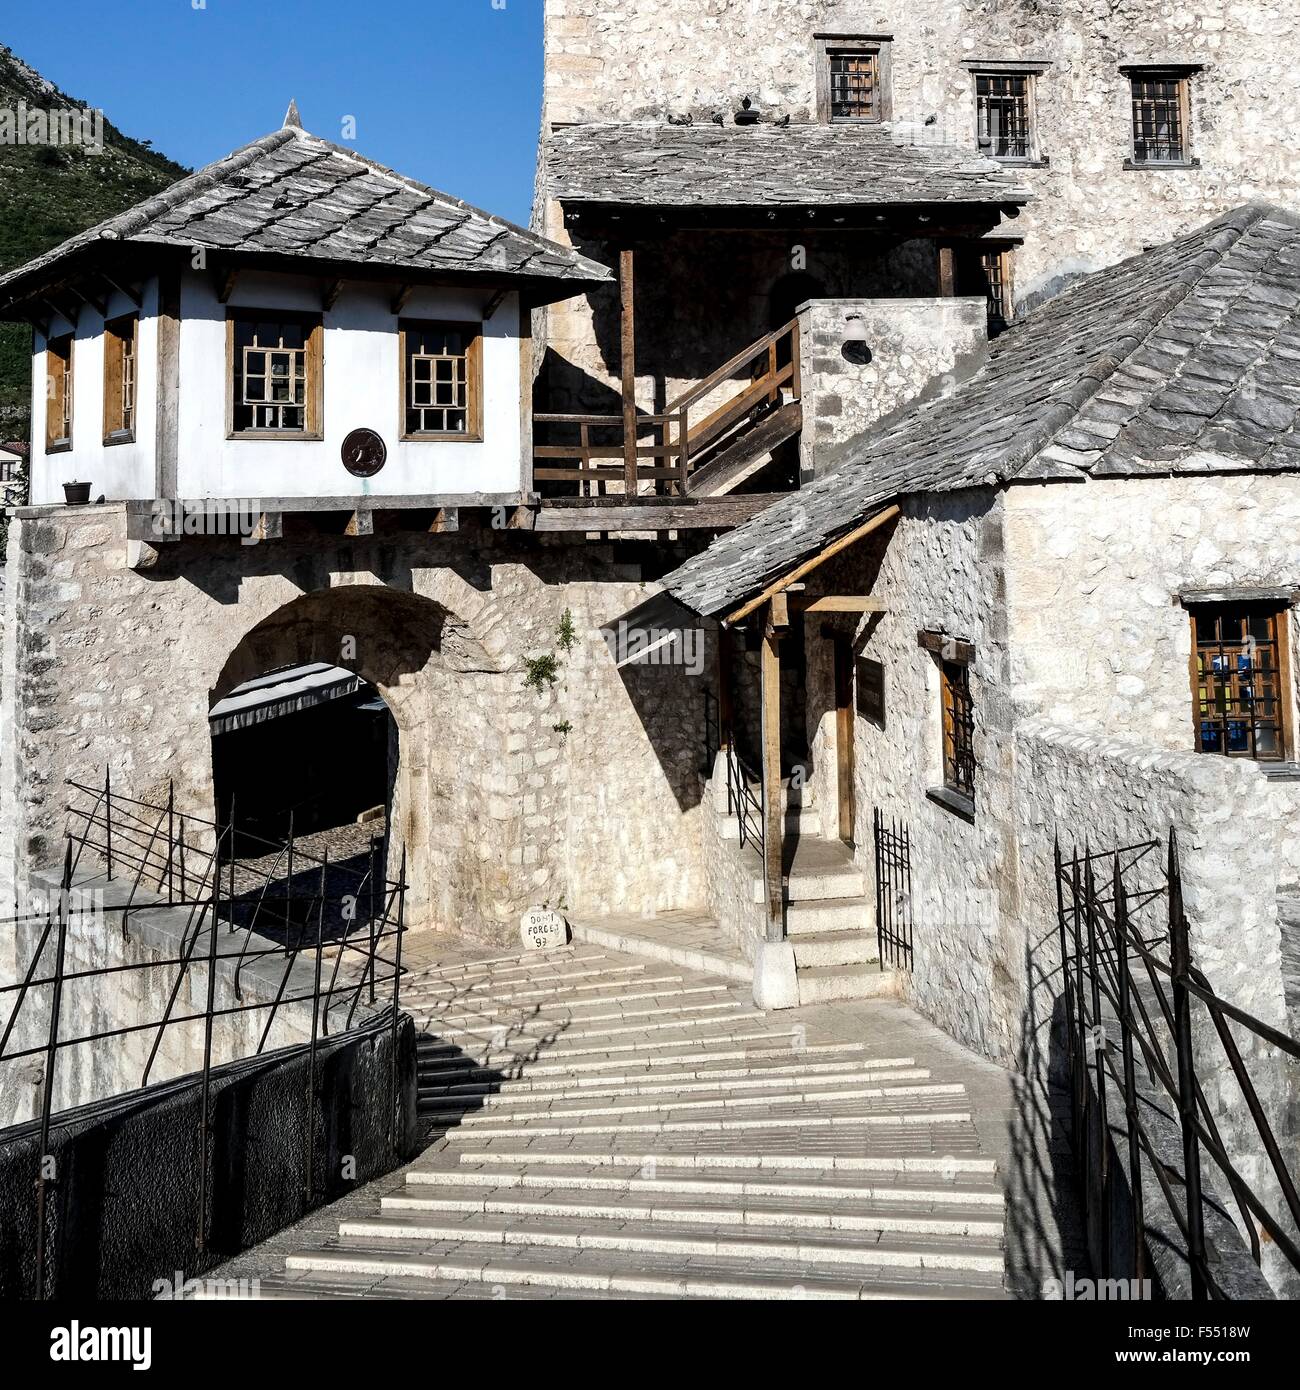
[119,379]
[853,77]
[1240,690]
[275,375]
[994,265]
[1161,115]
[958,728]
[58,393]
[440,380]
[855,86]
[1003,115]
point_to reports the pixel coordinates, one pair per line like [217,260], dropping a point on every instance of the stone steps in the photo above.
[722,1211]
[824,949]
[818,916]
[863,1251]
[596,1145]
[823,984]
[639,1275]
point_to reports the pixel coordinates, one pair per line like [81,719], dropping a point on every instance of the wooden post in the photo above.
[726,714]
[772,812]
[947,271]
[166,425]
[627,286]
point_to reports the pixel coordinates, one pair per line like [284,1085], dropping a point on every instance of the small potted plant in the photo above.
[75,493]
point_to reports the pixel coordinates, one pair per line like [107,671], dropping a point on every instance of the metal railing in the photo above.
[893,842]
[173,863]
[1130,1003]
[746,800]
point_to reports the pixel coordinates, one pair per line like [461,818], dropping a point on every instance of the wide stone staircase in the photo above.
[605,1126]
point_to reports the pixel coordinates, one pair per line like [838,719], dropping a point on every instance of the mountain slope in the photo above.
[46,194]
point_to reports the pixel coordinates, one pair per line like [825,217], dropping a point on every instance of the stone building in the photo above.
[785,569]
[754,155]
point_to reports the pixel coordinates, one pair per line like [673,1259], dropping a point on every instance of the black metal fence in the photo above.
[1131,1001]
[332,942]
[893,842]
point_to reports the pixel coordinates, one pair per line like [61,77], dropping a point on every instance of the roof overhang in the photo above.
[26,297]
[943,219]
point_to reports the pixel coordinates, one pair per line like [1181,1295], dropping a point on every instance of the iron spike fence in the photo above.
[1130,1001]
[139,845]
[893,841]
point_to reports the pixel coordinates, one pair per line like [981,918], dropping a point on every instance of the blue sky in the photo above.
[448,91]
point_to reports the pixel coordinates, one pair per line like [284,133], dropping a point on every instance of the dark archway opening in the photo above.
[309,749]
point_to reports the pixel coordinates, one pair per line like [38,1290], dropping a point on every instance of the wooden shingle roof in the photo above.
[1182,359]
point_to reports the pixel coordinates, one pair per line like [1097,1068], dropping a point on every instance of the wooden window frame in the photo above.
[877,45]
[1031,155]
[314,413]
[951,657]
[116,431]
[56,443]
[1281,612]
[1176,72]
[473,432]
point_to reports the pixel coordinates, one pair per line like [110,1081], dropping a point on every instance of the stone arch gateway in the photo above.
[437,679]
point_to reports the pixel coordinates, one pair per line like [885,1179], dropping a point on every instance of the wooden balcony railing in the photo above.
[671,445]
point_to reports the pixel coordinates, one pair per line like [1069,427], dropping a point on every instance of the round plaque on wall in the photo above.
[364,453]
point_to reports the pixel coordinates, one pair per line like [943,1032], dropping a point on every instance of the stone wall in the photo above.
[863,359]
[938,569]
[505,796]
[606,61]
[1106,793]
[1094,573]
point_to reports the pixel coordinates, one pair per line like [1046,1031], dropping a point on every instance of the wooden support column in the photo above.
[726,715]
[167,421]
[947,270]
[773,819]
[627,314]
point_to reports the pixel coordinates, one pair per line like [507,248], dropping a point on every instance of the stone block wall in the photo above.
[107,666]
[606,61]
[862,359]
[1095,791]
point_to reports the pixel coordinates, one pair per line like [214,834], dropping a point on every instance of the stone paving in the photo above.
[603,1125]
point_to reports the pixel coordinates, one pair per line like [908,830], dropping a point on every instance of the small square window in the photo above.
[1161,101]
[1240,693]
[1004,115]
[441,380]
[852,79]
[275,375]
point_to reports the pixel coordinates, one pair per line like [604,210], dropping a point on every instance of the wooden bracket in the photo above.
[128,290]
[360,523]
[331,294]
[445,519]
[226,285]
[402,298]
[493,305]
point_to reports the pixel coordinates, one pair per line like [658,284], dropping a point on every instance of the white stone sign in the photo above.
[543,930]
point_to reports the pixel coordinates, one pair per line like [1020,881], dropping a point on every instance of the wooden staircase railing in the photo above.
[676,440]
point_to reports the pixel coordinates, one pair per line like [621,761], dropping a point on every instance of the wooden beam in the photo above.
[780,610]
[270,527]
[100,306]
[627,339]
[360,523]
[445,519]
[947,271]
[128,290]
[167,413]
[402,298]
[493,305]
[849,538]
[773,818]
[838,603]
[226,285]
[331,295]
[614,514]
